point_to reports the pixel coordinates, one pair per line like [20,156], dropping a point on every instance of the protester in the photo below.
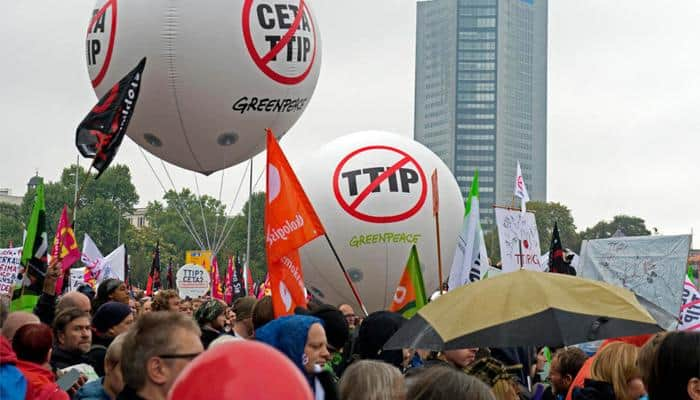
[243,323]
[153,357]
[112,383]
[211,318]
[372,380]
[262,312]
[195,304]
[13,385]
[73,335]
[675,373]
[134,306]
[374,332]
[349,315]
[647,355]
[110,289]
[444,383]
[110,320]
[565,365]
[303,340]
[460,358]
[166,300]
[74,299]
[186,307]
[537,369]
[223,339]
[146,304]
[32,345]
[613,373]
[497,376]
[16,320]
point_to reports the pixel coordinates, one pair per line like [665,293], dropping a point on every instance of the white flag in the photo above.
[520,189]
[470,260]
[101,267]
[114,264]
[690,310]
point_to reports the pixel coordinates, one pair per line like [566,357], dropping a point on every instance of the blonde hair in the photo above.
[504,389]
[616,364]
[372,380]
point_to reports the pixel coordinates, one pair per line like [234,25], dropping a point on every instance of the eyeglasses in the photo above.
[173,356]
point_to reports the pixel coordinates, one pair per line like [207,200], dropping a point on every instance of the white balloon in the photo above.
[218,72]
[373,226]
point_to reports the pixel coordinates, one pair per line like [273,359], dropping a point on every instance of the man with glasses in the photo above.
[155,350]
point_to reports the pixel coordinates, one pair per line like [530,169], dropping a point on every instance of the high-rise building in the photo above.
[481,93]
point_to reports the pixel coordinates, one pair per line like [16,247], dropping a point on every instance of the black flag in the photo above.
[556,255]
[153,284]
[101,132]
[236,284]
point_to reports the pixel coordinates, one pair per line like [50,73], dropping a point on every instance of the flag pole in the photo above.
[439,253]
[246,271]
[77,171]
[77,194]
[347,277]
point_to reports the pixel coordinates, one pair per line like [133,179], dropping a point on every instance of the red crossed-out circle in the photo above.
[262,62]
[352,207]
[112,33]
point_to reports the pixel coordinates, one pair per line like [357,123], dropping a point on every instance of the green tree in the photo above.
[238,237]
[546,214]
[11,225]
[629,225]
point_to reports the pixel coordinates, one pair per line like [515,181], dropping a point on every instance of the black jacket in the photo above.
[97,353]
[45,308]
[62,359]
[594,390]
[128,394]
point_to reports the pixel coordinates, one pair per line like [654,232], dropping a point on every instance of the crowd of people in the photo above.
[126,345]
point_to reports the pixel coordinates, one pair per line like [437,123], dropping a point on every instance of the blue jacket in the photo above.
[92,391]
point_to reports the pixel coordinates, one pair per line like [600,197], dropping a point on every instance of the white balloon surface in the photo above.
[218,72]
[372,191]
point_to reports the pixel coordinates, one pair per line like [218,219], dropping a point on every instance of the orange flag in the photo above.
[290,222]
[287,284]
[65,248]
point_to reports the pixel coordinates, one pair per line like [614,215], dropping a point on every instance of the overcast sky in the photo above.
[623,106]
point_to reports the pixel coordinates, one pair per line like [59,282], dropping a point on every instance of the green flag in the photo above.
[410,293]
[34,253]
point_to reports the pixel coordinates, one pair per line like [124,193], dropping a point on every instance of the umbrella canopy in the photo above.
[525,308]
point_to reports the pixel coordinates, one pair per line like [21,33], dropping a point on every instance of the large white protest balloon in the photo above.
[372,191]
[218,72]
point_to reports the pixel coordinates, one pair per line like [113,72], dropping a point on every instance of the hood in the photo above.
[7,356]
[288,335]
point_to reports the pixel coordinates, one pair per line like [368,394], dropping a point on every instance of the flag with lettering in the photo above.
[65,248]
[236,279]
[290,219]
[520,190]
[287,284]
[690,309]
[100,134]
[410,296]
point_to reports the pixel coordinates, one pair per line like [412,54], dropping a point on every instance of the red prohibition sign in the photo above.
[262,62]
[112,33]
[352,208]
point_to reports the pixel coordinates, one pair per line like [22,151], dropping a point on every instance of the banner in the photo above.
[77,277]
[199,257]
[653,267]
[518,239]
[690,310]
[9,267]
[192,281]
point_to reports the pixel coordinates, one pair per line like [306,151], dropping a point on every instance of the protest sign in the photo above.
[77,277]
[653,267]
[9,266]
[192,281]
[519,240]
[690,310]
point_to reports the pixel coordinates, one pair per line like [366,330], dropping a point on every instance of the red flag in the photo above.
[65,248]
[215,284]
[264,288]
[290,220]
[153,284]
[287,284]
[249,277]
[228,292]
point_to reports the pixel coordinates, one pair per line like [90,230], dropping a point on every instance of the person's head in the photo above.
[443,383]
[196,303]
[186,307]
[566,363]
[337,330]
[496,375]
[461,358]
[301,338]
[156,349]
[616,364]
[16,320]
[111,289]
[71,327]
[372,380]
[262,312]
[74,300]
[114,381]
[243,308]
[374,332]
[349,315]
[33,343]
[112,319]
[221,340]
[166,300]
[87,290]
[675,373]
[647,354]
[211,314]
[134,306]
[146,306]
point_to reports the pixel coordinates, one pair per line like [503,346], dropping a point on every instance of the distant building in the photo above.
[7,197]
[138,217]
[481,93]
